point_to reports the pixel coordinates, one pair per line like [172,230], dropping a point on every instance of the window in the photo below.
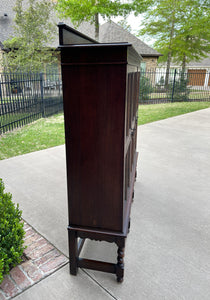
[143,66]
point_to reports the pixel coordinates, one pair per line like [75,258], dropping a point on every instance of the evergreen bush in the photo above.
[145,88]
[11,233]
[178,89]
[1,269]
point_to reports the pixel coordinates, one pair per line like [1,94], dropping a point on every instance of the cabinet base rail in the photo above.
[76,262]
[96,265]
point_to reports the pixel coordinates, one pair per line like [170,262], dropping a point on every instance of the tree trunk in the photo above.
[183,63]
[96,27]
[170,50]
[168,69]
[183,82]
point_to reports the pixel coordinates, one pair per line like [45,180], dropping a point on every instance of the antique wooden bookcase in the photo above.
[100,92]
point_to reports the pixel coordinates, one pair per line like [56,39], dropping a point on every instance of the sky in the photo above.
[135,23]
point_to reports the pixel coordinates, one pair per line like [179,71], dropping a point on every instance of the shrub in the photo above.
[1,269]
[178,89]
[145,88]
[11,233]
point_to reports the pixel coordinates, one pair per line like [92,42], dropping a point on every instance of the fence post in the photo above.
[1,103]
[42,95]
[174,82]
[0,92]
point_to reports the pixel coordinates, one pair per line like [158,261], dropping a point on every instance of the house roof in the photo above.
[111,31]
[7,16]
[6,19]
[201,64]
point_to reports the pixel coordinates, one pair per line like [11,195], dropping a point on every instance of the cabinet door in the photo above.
[130,155]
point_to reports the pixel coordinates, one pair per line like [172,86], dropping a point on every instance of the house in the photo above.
[198,71]
[108,32]
[112,32]
[7,16]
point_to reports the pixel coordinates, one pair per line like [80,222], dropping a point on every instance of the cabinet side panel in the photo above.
[94,107]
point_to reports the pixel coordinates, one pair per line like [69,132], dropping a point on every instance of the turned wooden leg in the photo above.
[73,252]
[120,264]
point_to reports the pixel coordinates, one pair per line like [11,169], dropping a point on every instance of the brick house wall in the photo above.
[151,62]
[112,32]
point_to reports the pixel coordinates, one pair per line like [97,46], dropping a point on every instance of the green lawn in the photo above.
[194,94]
[41,134]
[49,132]
[155,112]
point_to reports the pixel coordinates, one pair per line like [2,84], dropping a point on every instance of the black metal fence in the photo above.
[26,97]
[158,87]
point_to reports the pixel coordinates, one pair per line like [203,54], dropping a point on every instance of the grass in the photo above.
[49,132]
[12,117]
[41,134]
[195,94]
[155,112]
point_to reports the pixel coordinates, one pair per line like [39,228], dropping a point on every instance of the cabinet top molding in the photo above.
[70,38]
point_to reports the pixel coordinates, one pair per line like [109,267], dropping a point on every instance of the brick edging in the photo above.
[42,260]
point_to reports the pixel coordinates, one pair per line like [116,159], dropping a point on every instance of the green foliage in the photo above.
[1,269]
[11,233]
[178,90]
[181,29]
[161,81]
[192,38]
[124,24]
[34,30]
[145,87]
[85,10]
[89,10]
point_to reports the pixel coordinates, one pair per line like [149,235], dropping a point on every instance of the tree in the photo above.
[34,30]
[89,10]
[124,24]
[192,40]
[160,23]
[181,29]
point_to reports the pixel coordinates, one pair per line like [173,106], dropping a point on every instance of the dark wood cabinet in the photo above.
[100,92]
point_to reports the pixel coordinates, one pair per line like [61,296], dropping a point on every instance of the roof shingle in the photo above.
[109,32]
[112,32]
[7,23]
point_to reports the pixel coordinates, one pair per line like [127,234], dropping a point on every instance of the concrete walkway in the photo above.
[168,249]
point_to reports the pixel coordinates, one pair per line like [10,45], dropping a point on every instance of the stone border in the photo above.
[42,259]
